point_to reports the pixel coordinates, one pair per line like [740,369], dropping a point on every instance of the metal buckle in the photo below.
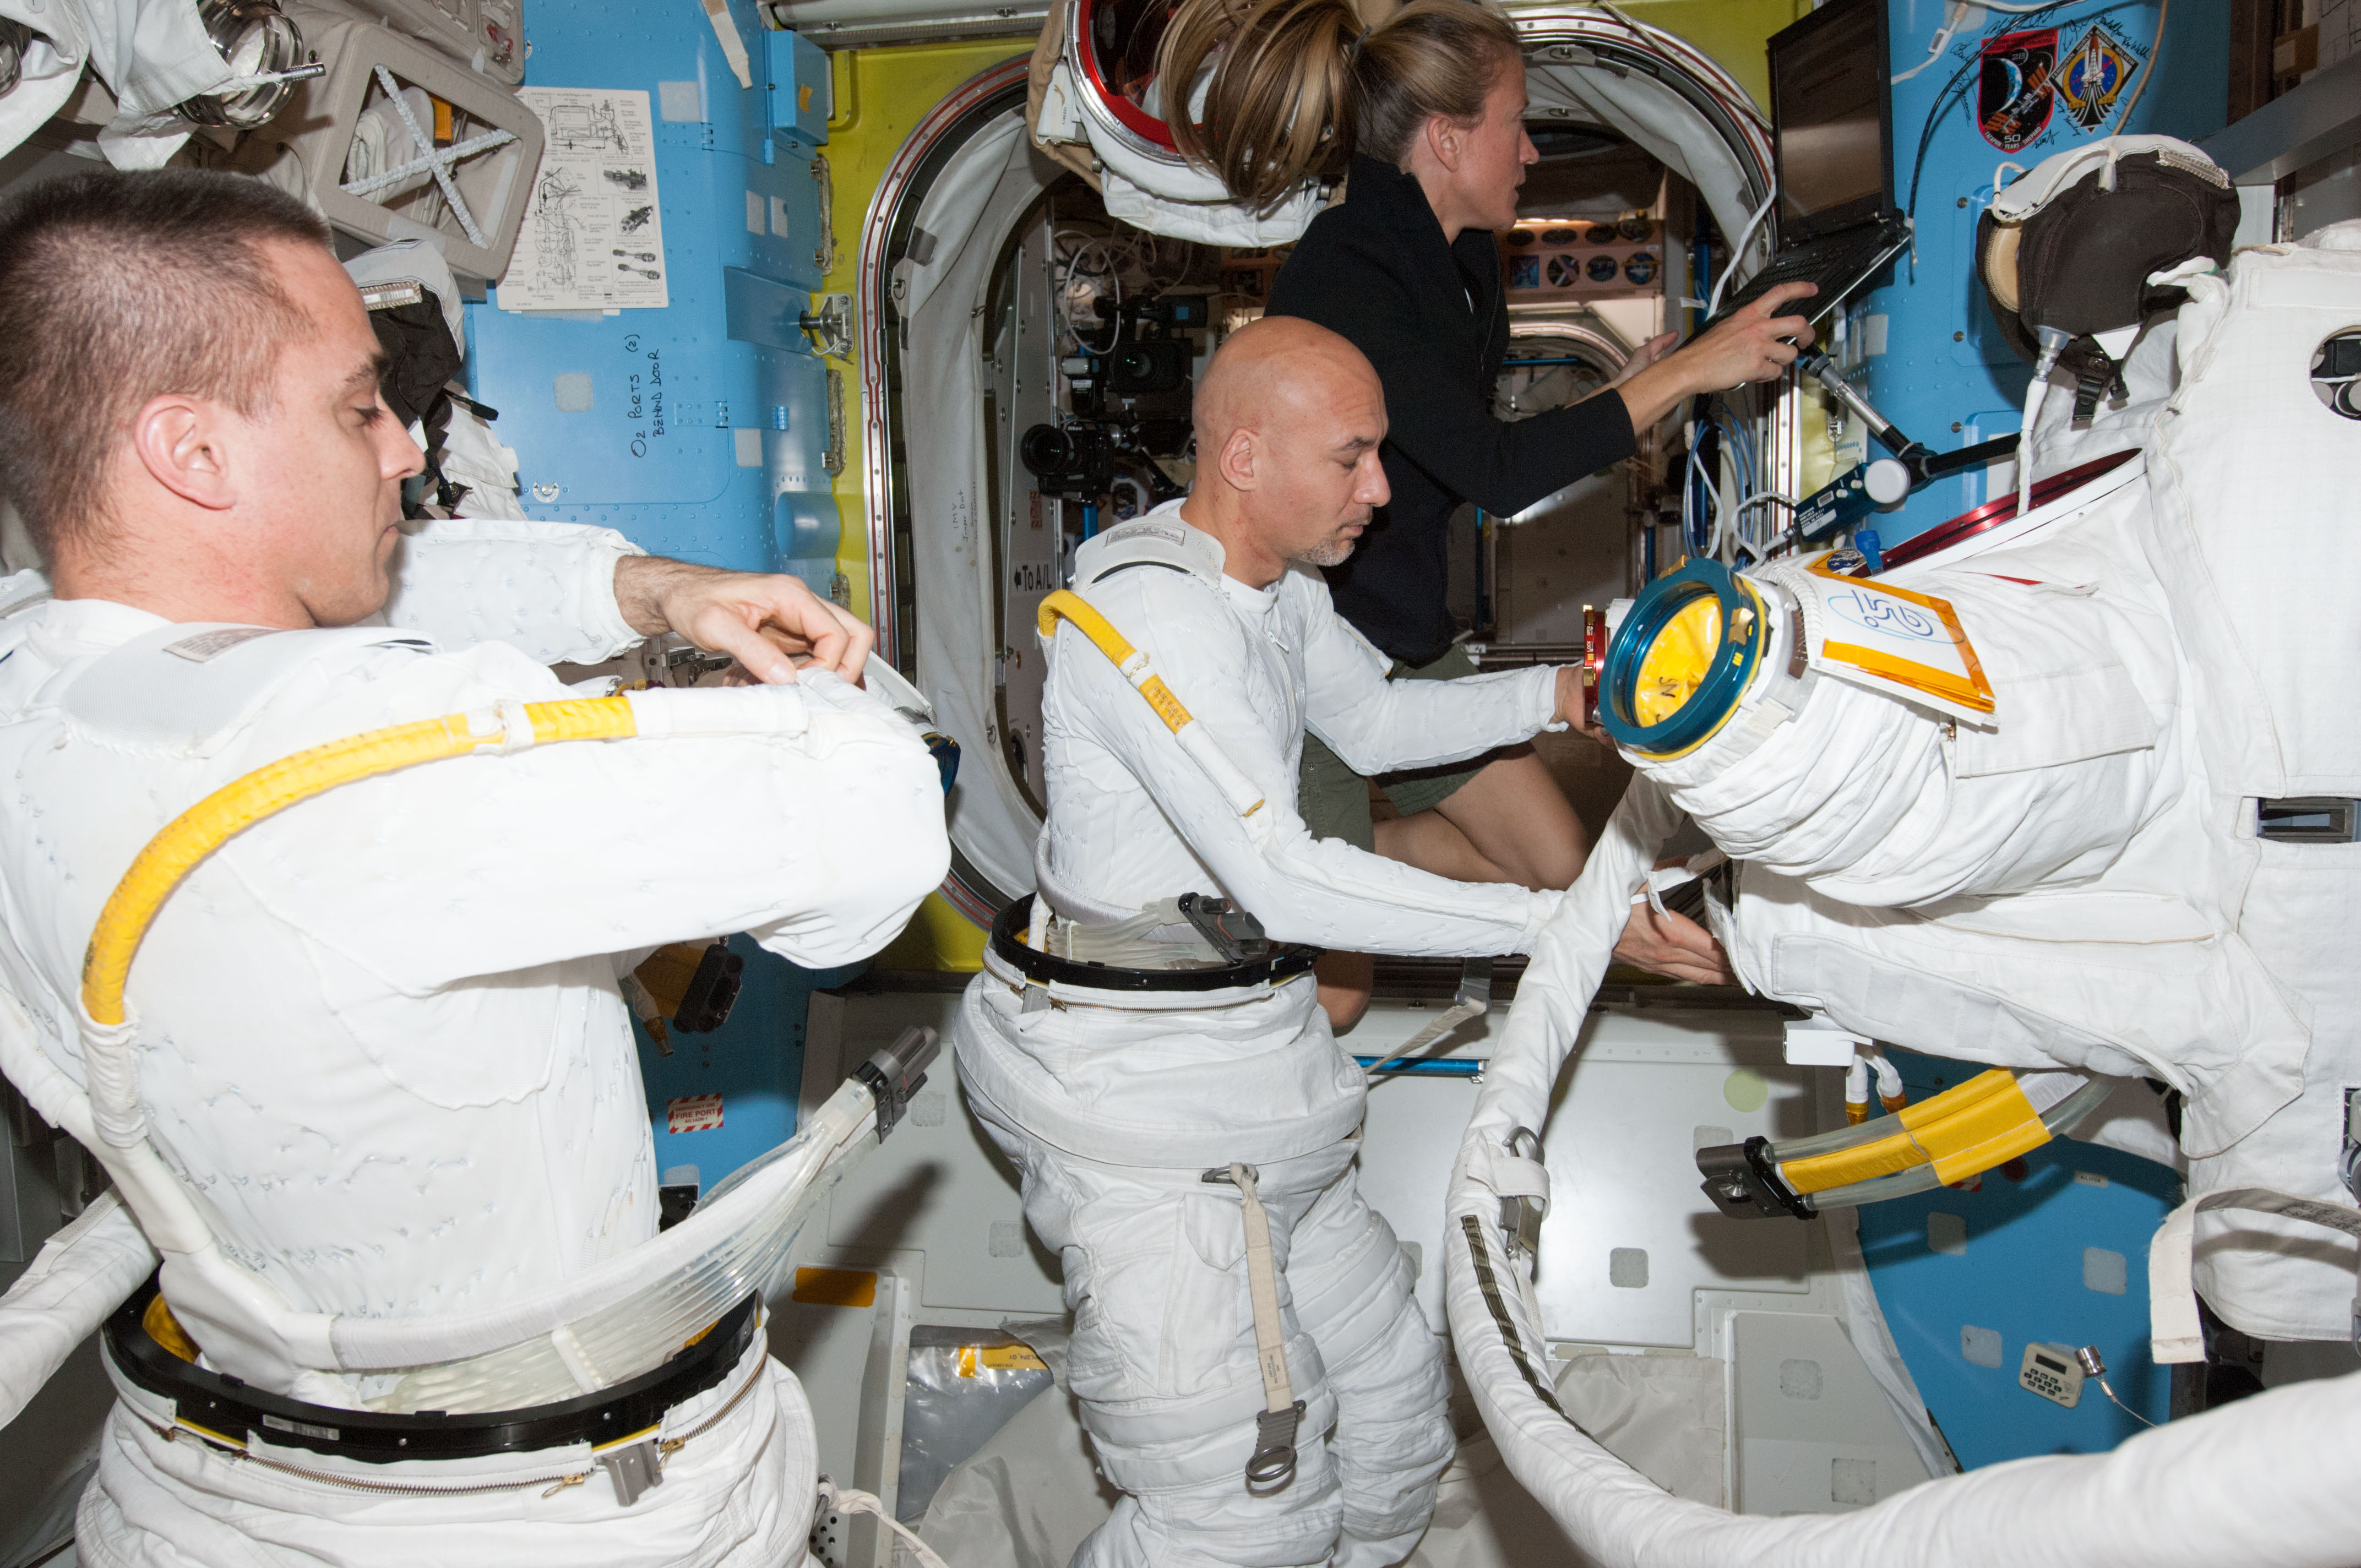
[1521,1218]
[2309,820]
[634,1467]
[1273,1463]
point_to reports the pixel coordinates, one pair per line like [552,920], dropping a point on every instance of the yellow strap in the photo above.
[1963,1130]
[1072,608]
[197,832]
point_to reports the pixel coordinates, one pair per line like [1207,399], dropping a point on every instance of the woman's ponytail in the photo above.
[1297,85]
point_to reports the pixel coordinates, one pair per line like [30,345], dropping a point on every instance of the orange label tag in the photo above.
[835,1288]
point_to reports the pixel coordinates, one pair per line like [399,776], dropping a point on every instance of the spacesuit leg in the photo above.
[1352,1284]
[1162,1357]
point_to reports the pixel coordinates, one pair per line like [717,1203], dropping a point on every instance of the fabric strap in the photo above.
[1272,1465]
[2175,1332]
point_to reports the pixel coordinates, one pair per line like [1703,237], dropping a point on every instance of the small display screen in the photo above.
[2041,1360]
[1829,146]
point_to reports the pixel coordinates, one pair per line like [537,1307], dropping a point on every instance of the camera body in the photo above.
[1075,462]
[1129,400]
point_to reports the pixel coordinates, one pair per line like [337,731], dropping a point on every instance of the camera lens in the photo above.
[1046,450]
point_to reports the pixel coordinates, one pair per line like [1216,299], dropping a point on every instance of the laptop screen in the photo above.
[1827,119]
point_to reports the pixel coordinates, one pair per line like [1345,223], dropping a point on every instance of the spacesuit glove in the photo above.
[1671,945]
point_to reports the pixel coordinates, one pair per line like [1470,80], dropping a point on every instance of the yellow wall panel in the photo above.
[881,96]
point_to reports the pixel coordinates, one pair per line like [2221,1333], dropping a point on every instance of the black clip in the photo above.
[1273,1464]
[712,991]
[1743,1181]
[1236,935]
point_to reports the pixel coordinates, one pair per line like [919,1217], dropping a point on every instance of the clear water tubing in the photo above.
[595,1336]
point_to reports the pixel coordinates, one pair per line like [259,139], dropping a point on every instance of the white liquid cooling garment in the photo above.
[1113,1104]
[377,1037]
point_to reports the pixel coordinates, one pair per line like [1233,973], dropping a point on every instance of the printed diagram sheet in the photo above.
[593,234]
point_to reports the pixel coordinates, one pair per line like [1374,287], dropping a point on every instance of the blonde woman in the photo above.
[1423,116]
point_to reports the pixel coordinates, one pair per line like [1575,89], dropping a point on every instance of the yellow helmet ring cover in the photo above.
[1682,659]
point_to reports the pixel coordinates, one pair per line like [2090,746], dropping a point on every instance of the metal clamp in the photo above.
[633,1466]
[896,1072]
[830,326]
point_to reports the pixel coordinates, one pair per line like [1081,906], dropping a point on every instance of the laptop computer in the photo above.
[1835,222]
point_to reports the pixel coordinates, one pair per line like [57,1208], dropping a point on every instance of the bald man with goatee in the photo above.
[1252,1367]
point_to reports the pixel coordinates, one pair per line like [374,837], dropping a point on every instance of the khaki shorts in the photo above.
[1334,800]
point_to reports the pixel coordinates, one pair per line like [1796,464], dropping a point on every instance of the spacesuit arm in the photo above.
[1323,892]
[808,815]
[1877,802]
[1377,725]
[545,588]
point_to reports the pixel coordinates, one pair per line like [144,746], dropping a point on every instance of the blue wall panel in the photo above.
[694,438]
[697,445]
[1944,361]
[755,1062]
[2022,1276]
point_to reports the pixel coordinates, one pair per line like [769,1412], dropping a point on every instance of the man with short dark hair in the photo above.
[378,1042]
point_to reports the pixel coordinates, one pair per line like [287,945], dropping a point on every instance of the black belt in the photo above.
[219,1406]
[1284,961]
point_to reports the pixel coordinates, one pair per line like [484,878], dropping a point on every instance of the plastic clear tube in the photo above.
[2058,1119]
[757,1211]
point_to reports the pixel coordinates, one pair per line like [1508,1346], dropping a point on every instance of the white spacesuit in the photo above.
[2099,873]
[378,1038]
[2092,823]
[1126,1102]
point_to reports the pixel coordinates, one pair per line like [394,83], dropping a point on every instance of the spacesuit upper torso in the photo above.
[1133,820]
[380,1035]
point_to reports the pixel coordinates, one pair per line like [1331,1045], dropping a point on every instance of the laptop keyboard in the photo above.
[1832,263]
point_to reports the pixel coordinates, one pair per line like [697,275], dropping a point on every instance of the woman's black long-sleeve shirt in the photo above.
[1430,317]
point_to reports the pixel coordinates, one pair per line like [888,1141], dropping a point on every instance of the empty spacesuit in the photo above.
[2131,856]
[2066,791]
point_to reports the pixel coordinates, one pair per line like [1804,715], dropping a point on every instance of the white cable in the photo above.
[1957,14]
[2053,343]
[846,1501]
[1952,18]
[1737,252]
[2034,396]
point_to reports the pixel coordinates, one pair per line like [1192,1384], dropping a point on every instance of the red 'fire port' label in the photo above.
[693,1113]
